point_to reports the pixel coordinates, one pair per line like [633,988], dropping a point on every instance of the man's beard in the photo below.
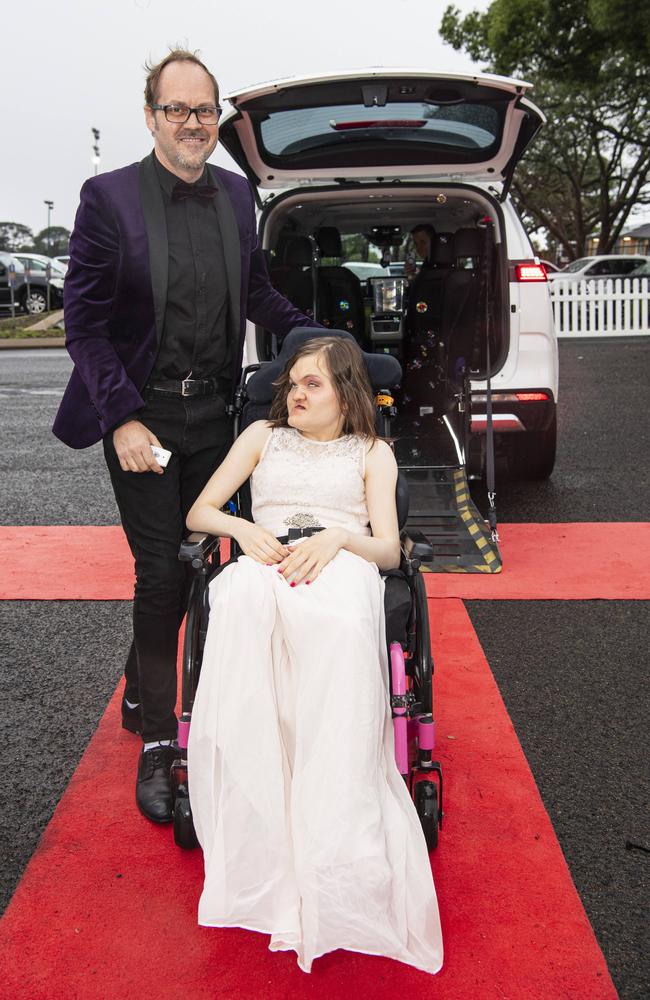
[185,158]
[193,160]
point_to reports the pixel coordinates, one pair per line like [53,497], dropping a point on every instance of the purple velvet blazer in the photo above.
[116,289]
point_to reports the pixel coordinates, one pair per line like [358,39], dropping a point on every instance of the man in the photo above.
[423,238]
[164,269]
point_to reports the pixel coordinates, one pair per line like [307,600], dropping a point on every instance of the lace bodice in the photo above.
[299,483]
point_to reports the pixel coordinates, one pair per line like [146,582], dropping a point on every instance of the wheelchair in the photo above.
[407,623]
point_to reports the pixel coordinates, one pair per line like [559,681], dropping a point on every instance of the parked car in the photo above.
[642,271]
[393,148]
[6,260]
[38,262]
[29,296]
[63,261]
[35,264]
[551,268]
[603,266]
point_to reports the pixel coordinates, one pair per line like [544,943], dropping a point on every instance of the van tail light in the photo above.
[378,123]
[538,396]
[530,272]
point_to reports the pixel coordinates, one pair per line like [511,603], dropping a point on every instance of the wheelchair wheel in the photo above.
[184,833]
[426,804]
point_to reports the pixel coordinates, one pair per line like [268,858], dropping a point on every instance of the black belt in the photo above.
[193,387]
[295,533]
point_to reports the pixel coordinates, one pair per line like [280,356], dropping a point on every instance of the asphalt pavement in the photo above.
[573,674]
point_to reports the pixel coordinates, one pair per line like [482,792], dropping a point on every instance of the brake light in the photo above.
[531,397]
[378,123]
[530,272]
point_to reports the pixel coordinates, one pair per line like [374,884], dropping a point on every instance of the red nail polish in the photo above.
[293,583]
[307,582]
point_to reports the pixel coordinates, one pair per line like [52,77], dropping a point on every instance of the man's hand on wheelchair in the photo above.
[258,543]
[132,442]
[308,558]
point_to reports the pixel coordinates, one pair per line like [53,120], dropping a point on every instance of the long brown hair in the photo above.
[346,368]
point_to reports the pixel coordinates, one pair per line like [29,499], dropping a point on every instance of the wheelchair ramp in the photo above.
[442,509]
[429,454]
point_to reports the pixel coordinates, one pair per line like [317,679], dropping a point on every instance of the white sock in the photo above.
[160,743]
[131,704]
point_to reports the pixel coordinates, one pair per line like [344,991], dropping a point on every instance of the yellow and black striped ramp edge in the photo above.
[441,507]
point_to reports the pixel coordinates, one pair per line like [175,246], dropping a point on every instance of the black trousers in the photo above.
[153,509]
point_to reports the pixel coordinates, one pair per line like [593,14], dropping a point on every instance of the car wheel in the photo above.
[533,453]
[35,303]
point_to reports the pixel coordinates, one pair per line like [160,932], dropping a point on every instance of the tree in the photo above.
[53,241]
[590,166]
[15,236]
[627,23]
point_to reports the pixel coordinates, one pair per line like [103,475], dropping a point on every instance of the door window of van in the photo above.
[466,126]
[391,133]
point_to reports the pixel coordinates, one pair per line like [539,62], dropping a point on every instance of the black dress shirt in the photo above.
[195,332]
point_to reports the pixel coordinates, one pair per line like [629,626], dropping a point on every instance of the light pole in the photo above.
[96,157]
[50,206]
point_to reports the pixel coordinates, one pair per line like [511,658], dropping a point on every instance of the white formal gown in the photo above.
[307,828]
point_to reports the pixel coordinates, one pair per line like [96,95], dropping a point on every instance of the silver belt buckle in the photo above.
[186,385]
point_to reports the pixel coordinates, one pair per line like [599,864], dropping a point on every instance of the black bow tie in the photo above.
[183,190]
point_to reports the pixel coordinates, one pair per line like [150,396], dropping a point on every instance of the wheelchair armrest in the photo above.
[197,547]
[416,545]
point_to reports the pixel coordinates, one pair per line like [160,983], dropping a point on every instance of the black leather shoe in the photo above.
[153,793]
[132,718]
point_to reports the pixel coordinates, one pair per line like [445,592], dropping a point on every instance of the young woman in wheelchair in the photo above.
[308,830]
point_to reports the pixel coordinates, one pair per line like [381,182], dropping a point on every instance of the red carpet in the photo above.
[61,563]
[541,562]
[106,908]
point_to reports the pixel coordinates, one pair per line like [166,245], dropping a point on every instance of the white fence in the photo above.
[608,307]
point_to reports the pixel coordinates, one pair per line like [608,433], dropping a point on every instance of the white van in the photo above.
[377,152]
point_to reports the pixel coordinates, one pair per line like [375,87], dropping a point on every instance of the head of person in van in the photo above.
[423,239]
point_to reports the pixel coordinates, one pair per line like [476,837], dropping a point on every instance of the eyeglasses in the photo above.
[178,114]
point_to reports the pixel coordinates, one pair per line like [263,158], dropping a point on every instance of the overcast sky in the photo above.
[69,65]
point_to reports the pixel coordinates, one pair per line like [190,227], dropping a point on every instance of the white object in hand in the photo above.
[161,455]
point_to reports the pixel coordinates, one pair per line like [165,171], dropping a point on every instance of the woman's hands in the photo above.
[258,543]
[299,563]
[308,558]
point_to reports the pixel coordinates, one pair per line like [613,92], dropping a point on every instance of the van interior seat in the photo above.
[339,290]
[468,244]
[461,307]
[292,278]
[442,250]
[426,293]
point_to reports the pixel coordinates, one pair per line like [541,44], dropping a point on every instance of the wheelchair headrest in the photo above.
[468,243]
[298,251]
[384,371]
[329,241]
[442,250]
